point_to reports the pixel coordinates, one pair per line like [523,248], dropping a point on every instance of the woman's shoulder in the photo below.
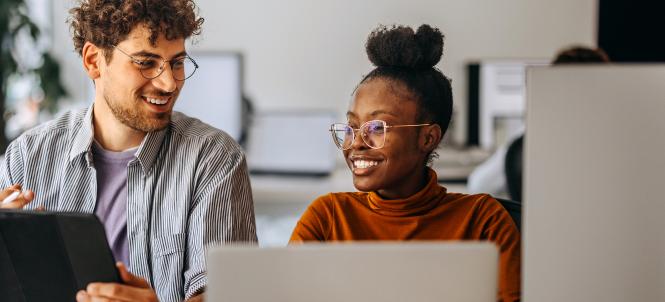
[476,200]
[485,207]
[316,222]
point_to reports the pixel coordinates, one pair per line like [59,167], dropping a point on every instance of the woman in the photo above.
[399,113]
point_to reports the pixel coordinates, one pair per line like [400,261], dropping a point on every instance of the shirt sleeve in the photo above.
[500,228]
[222,212]
[315,224]
[11,170]
[490,177]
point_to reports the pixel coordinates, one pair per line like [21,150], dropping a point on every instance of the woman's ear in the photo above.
[431,138]
[92,57]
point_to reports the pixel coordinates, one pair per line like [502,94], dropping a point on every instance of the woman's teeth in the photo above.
[157,101]
[363,164]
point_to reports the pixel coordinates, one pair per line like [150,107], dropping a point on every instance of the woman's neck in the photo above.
[410,186]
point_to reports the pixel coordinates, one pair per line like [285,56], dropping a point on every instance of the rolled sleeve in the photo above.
[11,162]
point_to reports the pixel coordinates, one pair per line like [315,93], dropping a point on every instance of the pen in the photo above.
[11,197]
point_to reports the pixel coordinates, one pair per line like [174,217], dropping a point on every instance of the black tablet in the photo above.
[47,256]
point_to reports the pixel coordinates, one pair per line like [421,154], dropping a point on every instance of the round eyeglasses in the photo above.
[182,67]
[373,133]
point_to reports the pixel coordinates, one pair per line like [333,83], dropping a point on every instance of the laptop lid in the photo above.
[387,272]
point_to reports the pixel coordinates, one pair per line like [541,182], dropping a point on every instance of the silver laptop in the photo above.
[386,272]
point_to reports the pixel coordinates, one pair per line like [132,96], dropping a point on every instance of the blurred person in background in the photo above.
[500,178]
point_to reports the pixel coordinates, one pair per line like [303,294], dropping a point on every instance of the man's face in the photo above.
[142,104]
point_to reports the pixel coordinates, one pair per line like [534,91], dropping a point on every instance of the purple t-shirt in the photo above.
[111,207]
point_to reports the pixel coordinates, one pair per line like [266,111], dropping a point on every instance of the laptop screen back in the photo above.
[387,272]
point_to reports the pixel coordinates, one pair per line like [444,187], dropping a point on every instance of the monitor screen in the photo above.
[214,93]
[497,100]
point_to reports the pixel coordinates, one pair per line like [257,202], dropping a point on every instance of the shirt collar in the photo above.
[83,137]
[146,154]
[149,149]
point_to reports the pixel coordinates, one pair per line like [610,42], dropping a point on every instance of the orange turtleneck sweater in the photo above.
[430,214]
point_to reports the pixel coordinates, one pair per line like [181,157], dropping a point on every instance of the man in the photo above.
[164,185]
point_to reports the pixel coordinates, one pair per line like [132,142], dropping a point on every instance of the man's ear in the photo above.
[431,138]
[92,59]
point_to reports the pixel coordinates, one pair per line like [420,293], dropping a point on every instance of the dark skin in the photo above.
[398,169]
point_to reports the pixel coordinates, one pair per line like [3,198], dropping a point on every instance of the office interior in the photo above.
[286,70]
[301,60]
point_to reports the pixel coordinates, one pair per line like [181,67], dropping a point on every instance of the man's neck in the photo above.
[112,134]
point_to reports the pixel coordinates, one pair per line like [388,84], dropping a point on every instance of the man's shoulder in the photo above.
[62,124]
[195,132]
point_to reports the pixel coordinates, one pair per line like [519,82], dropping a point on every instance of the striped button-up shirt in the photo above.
[187,189]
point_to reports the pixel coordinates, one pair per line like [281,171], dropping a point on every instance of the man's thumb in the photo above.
[129,278]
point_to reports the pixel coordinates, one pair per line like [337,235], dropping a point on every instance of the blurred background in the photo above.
[276,74]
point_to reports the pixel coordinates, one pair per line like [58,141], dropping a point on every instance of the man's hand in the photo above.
[134,289]
[196,298]
[20,201]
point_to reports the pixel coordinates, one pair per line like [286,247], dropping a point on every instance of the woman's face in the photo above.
[397,169]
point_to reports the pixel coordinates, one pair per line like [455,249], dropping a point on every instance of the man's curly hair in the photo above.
[105,23]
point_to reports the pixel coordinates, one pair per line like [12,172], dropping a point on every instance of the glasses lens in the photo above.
[374,133]
[183,68]
[150,68]
[342,135]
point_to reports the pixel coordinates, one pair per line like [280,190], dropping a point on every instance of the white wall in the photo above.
[63,48]
[302,54]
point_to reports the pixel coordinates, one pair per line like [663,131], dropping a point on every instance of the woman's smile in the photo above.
[363,165]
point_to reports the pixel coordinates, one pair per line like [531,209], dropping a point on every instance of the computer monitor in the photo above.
[386,272]
[291,143]
[497,100]
[594,217]
[214,94]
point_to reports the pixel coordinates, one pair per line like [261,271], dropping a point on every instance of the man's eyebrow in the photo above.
[148,54]
[180,54]
[350,114]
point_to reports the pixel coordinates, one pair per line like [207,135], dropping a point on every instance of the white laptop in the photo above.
[358,272]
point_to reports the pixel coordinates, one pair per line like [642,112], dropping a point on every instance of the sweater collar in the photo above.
[417,204]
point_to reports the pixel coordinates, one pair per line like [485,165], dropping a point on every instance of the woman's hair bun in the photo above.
[399,46]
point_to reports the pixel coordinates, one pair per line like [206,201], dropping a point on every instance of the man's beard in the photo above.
[137,119]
